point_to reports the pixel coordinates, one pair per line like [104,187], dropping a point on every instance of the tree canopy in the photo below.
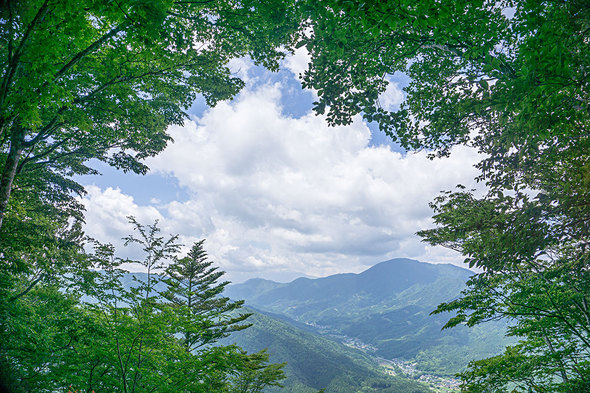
[89,79]
[104,329]
[509,78]
[83,80]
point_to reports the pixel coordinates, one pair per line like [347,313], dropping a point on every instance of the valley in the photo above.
[363,327]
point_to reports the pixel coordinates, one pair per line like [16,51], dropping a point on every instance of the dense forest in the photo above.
[90,81]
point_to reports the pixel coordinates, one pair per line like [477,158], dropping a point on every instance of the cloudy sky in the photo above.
[276,192]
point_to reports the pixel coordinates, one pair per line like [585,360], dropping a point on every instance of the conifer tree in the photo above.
[195,292]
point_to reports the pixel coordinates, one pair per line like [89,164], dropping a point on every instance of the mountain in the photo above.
[394,282]
[315,362]
[385,309]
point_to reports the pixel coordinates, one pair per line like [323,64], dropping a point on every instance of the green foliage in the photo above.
[36,332]
[255,375]
[470,65]
[535,276]
[516,88]
[88,79]
[195,295]
[124,338]
[42,235]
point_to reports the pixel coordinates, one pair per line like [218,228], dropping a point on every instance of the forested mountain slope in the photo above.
[385,310]
[315,362]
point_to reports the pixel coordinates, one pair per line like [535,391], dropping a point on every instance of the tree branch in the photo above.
[28,289]
[13,62]
[91,48]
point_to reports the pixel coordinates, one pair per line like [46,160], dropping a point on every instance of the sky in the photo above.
[275,191]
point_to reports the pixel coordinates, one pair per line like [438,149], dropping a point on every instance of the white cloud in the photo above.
[241,67]
[275,195]
[107,214]
[392,97]
[298,62]
[111,206]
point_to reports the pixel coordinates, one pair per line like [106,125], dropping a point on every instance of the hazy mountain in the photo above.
[314,361]
[385,309]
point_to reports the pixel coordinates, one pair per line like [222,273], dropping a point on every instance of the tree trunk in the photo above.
[16,147]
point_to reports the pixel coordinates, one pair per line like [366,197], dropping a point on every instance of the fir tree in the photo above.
[194,290]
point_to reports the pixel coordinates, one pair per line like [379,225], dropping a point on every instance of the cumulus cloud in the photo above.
[241,68]
[112,207]
[275,195]
[107,213]
[392,97]
[298,62]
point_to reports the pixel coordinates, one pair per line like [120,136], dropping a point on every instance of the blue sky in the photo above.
[275,191]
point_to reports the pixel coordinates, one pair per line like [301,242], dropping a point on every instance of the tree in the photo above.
[194,292]
[41,247]
[533,278]
[470,66]
[88,79]
[42,233]
[511,79]
[93,80]
[122,335]
[256,374]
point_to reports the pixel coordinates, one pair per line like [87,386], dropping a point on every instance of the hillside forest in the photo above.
[91,82]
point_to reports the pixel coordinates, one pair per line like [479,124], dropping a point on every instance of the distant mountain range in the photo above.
[384,310]
[366,332]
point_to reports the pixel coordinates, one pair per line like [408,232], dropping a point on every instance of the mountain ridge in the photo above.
[386,307]
[373,267]
[376,285]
